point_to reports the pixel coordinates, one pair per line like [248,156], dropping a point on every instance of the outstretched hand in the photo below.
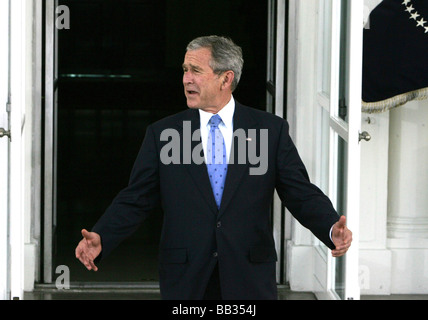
[88,249]
[341,237]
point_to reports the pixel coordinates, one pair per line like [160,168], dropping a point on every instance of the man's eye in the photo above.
[192,70]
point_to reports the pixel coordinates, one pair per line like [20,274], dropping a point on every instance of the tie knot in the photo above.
[215,121]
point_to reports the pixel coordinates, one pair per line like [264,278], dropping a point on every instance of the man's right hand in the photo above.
[88,249]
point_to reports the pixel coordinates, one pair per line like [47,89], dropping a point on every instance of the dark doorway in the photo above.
[120,70]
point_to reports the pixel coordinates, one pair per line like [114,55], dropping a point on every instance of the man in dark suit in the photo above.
[216,240]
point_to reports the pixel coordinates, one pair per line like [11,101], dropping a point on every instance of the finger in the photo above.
[81,248]
[339,227]
[89,264]
[342,222]
[86,260]
[342,245]
[86,234]
[83,258]
[338,254]
[340,251]
[77,252]
[93,266]
[342,248]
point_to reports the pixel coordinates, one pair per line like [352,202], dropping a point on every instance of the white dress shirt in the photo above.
[226,126]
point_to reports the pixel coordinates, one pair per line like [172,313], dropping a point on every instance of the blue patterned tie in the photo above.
[216,159]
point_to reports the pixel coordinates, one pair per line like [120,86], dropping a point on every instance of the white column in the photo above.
[408,197]
[408,184]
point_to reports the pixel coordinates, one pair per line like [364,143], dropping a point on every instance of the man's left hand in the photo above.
[341,236]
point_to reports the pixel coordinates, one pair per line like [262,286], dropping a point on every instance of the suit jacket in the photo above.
[195,234]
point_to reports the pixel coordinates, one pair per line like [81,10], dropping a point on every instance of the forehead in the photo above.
[200,57]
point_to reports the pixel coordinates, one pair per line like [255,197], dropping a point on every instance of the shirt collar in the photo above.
[226,114]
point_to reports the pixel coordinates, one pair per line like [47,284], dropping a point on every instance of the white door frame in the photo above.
[354,81]
[13,97]
[50,151]
[348,130]
[17,123]
[4,153]
[275,104]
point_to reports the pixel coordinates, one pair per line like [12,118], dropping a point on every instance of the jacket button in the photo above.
[218,224]
[215,254]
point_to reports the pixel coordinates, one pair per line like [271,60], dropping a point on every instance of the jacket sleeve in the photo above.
[133,204]
[305,201]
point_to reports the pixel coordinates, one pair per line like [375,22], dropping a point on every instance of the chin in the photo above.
[193,105]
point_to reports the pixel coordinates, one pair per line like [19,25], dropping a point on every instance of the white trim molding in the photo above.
[408,227]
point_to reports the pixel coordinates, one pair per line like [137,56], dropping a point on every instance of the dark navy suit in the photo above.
[196,236]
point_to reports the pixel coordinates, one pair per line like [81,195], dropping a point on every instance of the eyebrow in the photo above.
[191,66]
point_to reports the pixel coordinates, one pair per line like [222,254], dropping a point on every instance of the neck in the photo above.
[216,109]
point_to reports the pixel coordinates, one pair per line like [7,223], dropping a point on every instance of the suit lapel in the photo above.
[199,172]
[236,170]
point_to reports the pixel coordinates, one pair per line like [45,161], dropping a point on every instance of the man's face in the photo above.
[202,87]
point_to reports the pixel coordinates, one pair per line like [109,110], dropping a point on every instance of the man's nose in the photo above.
[187,77]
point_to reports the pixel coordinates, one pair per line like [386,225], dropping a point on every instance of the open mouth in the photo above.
[191,92]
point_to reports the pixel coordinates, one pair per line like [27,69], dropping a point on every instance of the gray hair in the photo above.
[226,55]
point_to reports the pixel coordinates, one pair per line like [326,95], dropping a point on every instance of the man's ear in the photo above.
[228,77]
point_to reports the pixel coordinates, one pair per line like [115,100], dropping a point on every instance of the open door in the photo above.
[12,127]
[275,77]
[104,84]
[339,111]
